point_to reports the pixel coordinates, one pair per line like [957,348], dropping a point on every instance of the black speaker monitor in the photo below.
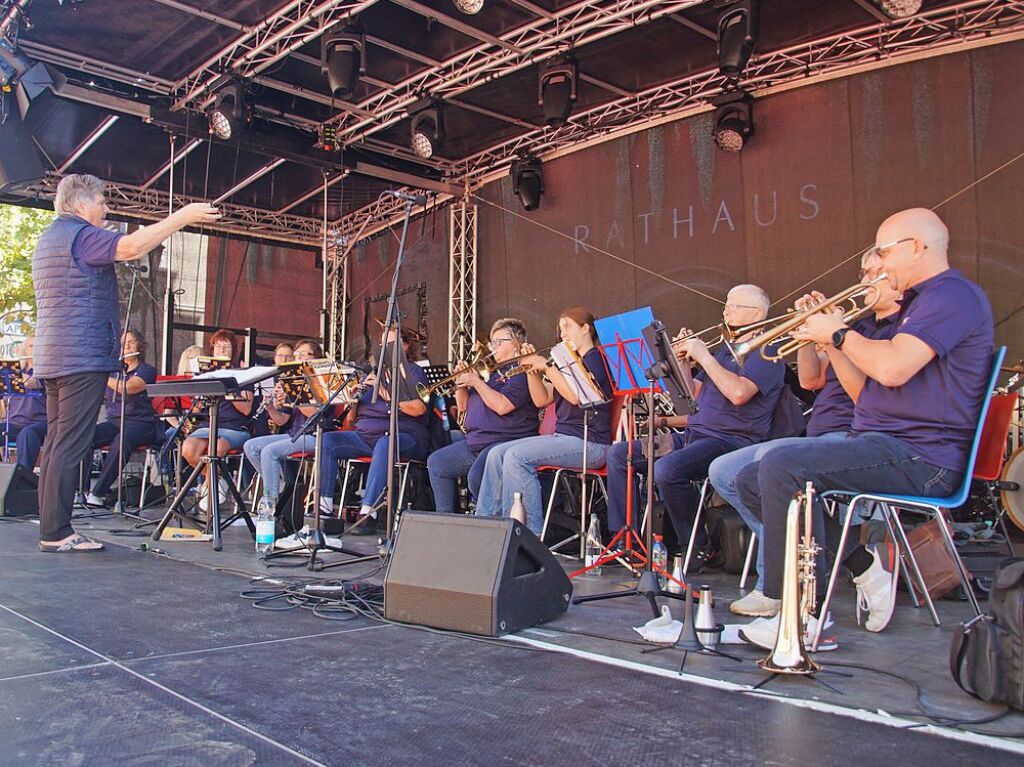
[19,491]
[476,575]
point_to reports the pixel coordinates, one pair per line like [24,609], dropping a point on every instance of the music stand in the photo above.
[664,366]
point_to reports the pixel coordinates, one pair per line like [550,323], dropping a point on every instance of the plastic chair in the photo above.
[925,505]
[992,454]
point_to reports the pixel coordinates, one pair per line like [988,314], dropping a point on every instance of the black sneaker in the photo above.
[365,525]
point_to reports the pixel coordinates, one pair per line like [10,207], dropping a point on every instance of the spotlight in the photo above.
[528,181]
[343,59]
[899,9]
[427,134]
[738,24]
[228,116]
[469,6]
[734,120]
[557,90]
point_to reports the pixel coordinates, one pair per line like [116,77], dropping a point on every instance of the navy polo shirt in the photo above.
[372,420]
[833,408]
[139,407]
[95,247]
[484,427]
[936,412]
[569,417]
[27,408]
[739,425]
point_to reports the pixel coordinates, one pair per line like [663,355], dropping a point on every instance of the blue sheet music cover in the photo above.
[627,361]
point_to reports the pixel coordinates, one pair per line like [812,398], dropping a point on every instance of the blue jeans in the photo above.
[135,434]
[723,472]
[448,464]
[866,462]
[28,441]
[339,445]
[512,467]
[267,455]
[234,437]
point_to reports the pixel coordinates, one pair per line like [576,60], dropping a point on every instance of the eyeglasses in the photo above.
[496,342]
[740,306]
[880,250]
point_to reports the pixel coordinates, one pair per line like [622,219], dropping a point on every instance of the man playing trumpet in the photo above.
[735,410]
[915,416]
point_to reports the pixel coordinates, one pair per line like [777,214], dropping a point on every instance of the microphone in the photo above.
[362,367]
[415,199]
[135,267]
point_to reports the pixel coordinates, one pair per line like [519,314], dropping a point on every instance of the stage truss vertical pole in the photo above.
[166,352]
[326,310]
[462,245]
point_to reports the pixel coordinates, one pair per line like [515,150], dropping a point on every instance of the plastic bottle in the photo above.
[518,510]
[659,560]
[593,548]
[264,527]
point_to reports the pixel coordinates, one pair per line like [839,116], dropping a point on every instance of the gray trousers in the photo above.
[72,404]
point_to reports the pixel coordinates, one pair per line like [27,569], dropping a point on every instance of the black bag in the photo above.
[730,536]
[987,655]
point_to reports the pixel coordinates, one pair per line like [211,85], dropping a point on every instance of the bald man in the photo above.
[914,419]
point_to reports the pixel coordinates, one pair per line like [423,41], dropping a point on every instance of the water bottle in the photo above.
[264,527]
[659,560]
[518,510]
[593,548]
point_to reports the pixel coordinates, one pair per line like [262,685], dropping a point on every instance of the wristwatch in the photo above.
[838,337]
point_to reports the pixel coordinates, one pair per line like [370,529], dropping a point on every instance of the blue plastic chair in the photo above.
[923,504]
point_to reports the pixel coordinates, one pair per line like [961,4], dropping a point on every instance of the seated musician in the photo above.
[735,409]
[496,410]
[511,467]
[141,426]
[187,362]
[368,438]
[232,415]
[25,422]
[830,373]
[914,420]
[267,453]
[263,422]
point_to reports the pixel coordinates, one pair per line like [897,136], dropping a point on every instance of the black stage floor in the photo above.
[137,658]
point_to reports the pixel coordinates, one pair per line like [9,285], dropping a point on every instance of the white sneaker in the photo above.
[756,605]
[763,632]
[326,507]
[94,500]
[876,588]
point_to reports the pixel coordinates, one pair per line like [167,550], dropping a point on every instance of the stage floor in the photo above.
[141,658]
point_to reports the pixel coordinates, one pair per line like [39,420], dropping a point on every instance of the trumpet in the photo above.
[789,655]
[782,327]
[481,361]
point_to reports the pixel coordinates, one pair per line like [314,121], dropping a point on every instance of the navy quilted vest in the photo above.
[78,325]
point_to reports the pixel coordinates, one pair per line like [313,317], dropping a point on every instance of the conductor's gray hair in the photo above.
[77,189]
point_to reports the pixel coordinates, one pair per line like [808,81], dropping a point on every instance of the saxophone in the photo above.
[789,655]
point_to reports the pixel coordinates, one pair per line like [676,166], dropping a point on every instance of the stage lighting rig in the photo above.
[469,7]
[899,9]
[734,120]
[738,26]
[528,181]
[229,114]
[557,90]
[343,60]
[327,139]
[427,131]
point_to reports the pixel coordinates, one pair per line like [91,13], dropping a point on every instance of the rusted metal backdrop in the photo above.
[828,162]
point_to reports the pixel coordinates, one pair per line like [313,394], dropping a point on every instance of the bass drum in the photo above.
[1013,500]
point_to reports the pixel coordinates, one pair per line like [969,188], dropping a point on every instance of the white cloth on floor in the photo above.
[662,629]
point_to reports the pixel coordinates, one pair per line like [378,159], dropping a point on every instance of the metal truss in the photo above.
[265,43]
[947,29]
[137,203]
[462,250]
[542,38]
[337,308]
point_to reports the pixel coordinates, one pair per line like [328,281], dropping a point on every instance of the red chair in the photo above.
[992,453]
[589,476]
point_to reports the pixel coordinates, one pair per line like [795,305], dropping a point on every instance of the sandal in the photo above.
[79,543]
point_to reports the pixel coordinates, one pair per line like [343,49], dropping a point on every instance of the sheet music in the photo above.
[578,378]
[243,376]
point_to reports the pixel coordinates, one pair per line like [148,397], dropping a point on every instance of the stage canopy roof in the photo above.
[139,72]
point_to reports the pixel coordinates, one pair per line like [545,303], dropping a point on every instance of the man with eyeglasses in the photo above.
[735,404]
[915,416]
[829,372]
[78,334]
[496,410]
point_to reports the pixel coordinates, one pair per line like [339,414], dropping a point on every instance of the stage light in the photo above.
[899,9]
[227,116]
[528,181]
[343,60]
[557,90]
[734,120]
[469,6]
[427,133]
[738,24]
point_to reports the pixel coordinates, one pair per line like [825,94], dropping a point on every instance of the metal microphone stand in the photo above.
[122,377]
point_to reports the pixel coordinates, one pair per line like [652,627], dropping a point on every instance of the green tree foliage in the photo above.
[19,229]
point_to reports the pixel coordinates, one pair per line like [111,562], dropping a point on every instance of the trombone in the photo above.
[781,328]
